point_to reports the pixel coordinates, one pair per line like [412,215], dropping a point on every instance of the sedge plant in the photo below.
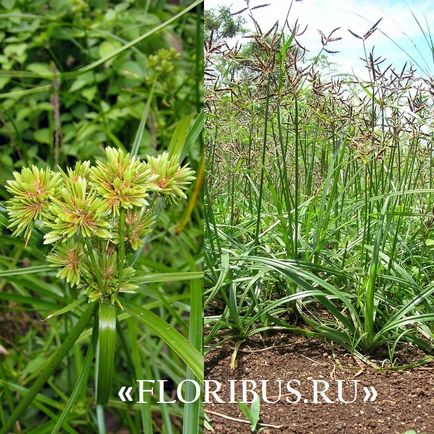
[319,203]
[95,220]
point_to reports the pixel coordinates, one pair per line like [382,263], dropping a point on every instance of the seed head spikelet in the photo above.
[123,180]
[32,190]
[69,256]
[76,211]
[170,179]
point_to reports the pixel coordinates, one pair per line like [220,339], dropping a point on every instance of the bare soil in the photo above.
[405,398]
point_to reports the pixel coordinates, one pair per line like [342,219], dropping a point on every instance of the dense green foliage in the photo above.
[319,202]
[77,77]
[72,114]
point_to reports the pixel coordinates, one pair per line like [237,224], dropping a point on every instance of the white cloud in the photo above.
[398,24]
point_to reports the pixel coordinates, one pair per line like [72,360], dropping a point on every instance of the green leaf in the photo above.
[50,367]
[39,67]
[370,94]
[193,134]
[179,136]
[105,352]
[192,412]
[89,93]
[169,277]
[139,133]
[255,411]
[67,308]
[81,81]
[28,270]
[4,81]
[185,350]
[108,47]
[15,50]
[42,136]
[81,381]
[246,411]
[252,414]
[132,70]
[8,4]
[34,365]
[24,92]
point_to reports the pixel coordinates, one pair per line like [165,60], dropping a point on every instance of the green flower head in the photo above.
[123,181]
[95,217]
[32,190]
[68,256]
[138,225]
[170,179]
[112,284]
[76,211]
[80,170]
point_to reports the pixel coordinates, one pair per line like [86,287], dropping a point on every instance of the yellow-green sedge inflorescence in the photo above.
[169,178]
[85,210]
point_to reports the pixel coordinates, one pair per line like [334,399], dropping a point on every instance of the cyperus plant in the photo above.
[91,214]
[96,218]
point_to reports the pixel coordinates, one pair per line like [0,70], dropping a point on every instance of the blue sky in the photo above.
[357,15]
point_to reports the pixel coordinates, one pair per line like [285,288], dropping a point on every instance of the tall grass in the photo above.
[319,210]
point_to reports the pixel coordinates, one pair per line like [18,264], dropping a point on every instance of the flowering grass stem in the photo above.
[121,255]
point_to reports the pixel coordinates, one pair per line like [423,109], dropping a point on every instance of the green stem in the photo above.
[94,263]
[121,256]
[100,419]
[261,182]
[297,180]
[105,352]
[49,368]
[139,134]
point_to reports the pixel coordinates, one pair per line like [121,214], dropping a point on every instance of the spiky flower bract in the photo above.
[112,284]
[80,170]
[32,190]
[170,179]
[138,225]
[77,211]
[69,256]
[123,181]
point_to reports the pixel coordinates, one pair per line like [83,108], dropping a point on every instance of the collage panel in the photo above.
[216,217]
[101,221]
[318,290]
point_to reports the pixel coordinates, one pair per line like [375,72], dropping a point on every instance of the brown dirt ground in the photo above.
[405,398]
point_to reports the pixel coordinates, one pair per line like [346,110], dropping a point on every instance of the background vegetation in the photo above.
[76,77]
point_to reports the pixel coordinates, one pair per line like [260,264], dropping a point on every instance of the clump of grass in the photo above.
[320,197]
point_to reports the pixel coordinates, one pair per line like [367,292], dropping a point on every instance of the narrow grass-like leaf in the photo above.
[169,277]
[179,137]
[105,351]
[67,308]
[192,412]
[139,133]
[49,368]
[27,270]
[81,381]
[185,350]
